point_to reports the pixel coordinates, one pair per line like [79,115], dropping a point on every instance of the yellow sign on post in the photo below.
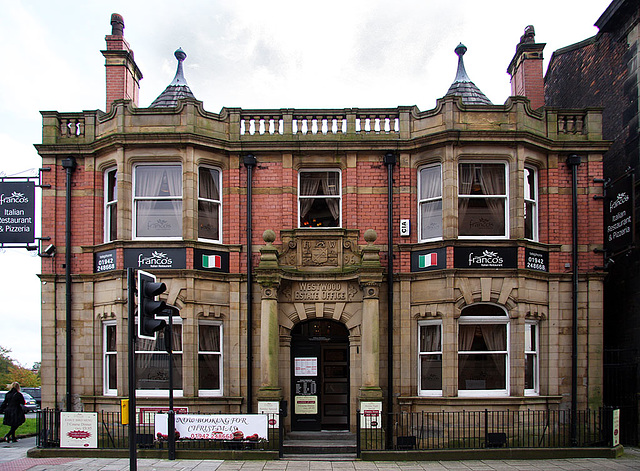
[124,411]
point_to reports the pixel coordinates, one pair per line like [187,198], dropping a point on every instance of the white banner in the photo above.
[250,427]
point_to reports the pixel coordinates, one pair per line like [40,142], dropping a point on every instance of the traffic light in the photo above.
[149,306]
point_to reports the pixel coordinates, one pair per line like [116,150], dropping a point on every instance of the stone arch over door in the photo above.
[347,313]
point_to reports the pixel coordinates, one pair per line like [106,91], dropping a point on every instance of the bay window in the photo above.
[209,204]
[110,205]
[152,363]
[531,367]
[430,358]
[319,198]
[530,204]
[109,359]
[430,202]
[157,201]
[210,358]
[483,351]
[482,200]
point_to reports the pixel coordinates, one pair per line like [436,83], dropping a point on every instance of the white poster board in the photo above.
[371,414]
[616,427]
[273,409]
[237,427]
[305,405]
[305,366]
[78,430]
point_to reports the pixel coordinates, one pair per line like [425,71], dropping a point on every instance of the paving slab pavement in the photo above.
[13,457]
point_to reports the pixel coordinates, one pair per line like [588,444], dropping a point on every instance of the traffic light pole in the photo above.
[171,417]
[131,289]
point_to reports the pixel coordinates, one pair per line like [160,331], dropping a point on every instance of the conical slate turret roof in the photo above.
[177,89]
[463,86]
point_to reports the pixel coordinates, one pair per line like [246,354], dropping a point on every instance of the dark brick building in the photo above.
[602,71]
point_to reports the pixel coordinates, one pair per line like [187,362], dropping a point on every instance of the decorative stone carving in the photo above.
[319,250]
[320,253]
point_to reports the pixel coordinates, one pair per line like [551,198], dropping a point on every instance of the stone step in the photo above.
[321,444]
[324,457]
[336,435]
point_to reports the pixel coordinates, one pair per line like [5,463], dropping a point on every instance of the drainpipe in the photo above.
[69,164]
[390,161]
[249,162]
[573,161]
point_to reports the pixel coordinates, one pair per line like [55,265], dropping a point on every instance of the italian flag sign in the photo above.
[428,260]
[211,261]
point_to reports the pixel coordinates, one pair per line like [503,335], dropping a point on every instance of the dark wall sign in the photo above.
[426,260]
[536,260]
[17,212]
[104,261]
[211,260]
[618,214]
[155,259]
[485,257]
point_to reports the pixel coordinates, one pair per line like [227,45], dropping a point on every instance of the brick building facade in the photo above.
[602,71]
[474,311]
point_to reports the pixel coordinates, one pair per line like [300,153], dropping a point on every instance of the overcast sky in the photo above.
[249,54]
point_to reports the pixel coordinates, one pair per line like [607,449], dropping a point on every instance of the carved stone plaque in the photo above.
[320,291]
[320,253]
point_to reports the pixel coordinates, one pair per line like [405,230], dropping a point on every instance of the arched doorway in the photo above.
[320,375]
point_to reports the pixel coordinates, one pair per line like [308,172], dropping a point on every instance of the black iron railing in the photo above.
[113,434]
[484,429]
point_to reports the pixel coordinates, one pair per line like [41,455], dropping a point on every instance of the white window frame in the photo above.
[163,392]
[429,200]
[429,392]
[533,202]
[106,355]
[494,320]
[208,200]
[137,199]
[338,196]
[504,197]
[535,391]
[220,354]
[108,204]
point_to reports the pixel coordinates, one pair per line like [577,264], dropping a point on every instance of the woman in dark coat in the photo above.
[13,410]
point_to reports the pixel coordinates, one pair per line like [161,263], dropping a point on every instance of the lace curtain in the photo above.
[431,211]
[158,184]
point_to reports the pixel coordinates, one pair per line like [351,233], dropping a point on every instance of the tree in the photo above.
[24,376]
[11,371]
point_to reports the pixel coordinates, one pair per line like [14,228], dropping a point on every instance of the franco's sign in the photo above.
[17,212]
[618,214]
[155,259]
[485,257]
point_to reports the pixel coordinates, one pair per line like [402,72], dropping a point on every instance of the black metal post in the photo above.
[171,417]
[573,161]
[131,289]
[249,162]
[69,164]
[390,161]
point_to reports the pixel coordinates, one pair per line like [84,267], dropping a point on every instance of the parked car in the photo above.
[33,392]
[30,403]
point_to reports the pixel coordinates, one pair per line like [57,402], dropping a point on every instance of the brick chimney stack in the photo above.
[123,75]
[525,69]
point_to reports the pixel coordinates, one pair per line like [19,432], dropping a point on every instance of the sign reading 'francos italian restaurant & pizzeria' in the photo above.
[17,212]
[485,257]
[618,215]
